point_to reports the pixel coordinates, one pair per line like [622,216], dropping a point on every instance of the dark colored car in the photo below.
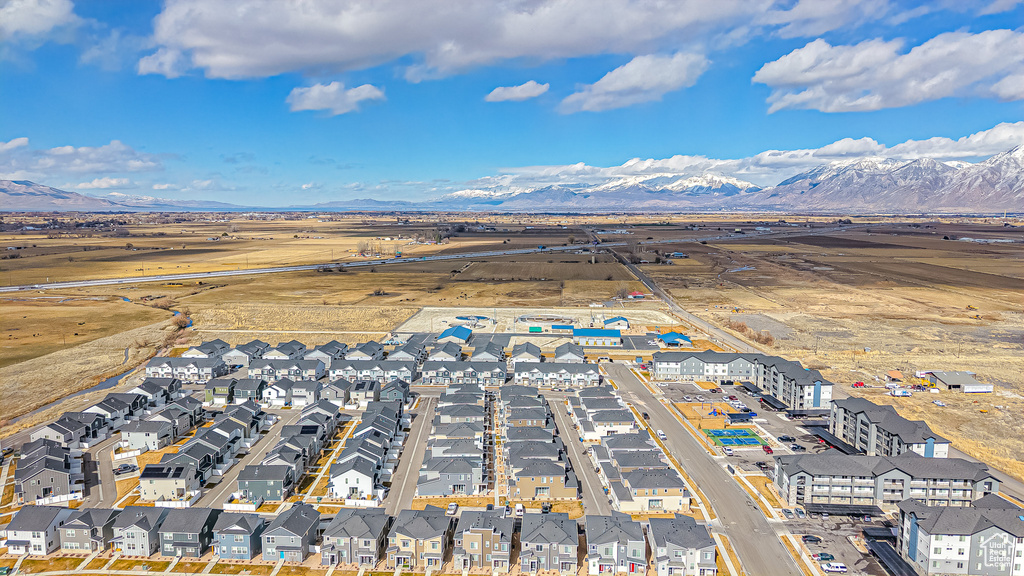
[125,469]
[811,539]
[545,508]
[786,438]
[823,557]
[646,416]
[797,448]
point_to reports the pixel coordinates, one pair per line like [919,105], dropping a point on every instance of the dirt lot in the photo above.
[860,304]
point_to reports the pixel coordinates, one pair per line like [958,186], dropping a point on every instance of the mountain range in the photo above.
[871,185]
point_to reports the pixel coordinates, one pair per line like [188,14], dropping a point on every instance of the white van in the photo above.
[520,510]
[661,434]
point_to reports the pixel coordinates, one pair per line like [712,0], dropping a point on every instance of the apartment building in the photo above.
[881,431]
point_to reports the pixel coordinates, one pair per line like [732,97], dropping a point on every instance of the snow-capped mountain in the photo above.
[28,196]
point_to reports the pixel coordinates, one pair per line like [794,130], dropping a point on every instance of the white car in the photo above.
[453,508]
[661,434]
[836,567]
[939,403]
[727,451]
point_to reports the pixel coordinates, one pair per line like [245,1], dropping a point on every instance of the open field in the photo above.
[861,303]
[33,326]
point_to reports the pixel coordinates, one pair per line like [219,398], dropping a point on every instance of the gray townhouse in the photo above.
[881,431]
[380,371]
[556,374]
[832,477]
[187,532]
[327,353]
[210,349]
[525,352]
[355,536]
[156,395]
[337,391]
[528,434]
[681,547]
[292,534]
[449,352]
[457,413]
[569,353]
[249,390]
[136,530]
[291,350]
[46,470]
[191,370]
[985,538]
[240,356]
[114,411]
[68,432]
[409,353]
[489,352]
[306,392]
[549,542]
[483,373]
[179,420]
[362,392]
[88,530]
[366,351]
[238,536]
[483,539]
[451,477]
[615,543]
[267,483]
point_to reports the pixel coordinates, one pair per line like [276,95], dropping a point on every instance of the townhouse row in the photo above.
[459,463]
[414,540]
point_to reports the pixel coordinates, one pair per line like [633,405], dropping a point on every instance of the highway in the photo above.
[755,540]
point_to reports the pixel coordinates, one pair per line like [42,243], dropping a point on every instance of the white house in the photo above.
[355,478]
[35,530]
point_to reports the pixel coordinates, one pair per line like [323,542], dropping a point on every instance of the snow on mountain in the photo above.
[22,195]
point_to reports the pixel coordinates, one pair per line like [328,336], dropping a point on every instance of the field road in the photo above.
[755,540]
[407,474]
[378,262]
[594,499]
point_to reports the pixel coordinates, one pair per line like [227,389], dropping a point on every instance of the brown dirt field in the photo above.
[574,508]
[764,485]
[271,317]
[32,327]
[558,269]
[124,487]
[97,563]
[33,383]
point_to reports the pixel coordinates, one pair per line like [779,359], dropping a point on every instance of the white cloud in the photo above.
[168,62]
[164,187]
[259,38]
[642,79]
[17,159]
[519,93]
[21,18]
[12,144]
[876,74]
[106,183]
[1000,6]
[764,169]
[332,97]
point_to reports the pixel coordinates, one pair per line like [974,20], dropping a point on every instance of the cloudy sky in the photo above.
[279,102]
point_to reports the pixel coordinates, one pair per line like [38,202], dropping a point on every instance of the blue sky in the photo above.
[275,103]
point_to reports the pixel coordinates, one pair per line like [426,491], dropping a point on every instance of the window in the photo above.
[239,538]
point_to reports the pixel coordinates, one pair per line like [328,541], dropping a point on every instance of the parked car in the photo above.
[508,511]
[727,451]
[823,557]
[786,438]
[661,435]
[125,469]
[646,416]
[520,510]
[545,508]
[761,464]
[687,398]
[939,403]
[800,513]
[452,508]
[767,449]
[787,513]
[797,448]
[733,397]
[867,519]
[811,539]
[858,384]
[837,567]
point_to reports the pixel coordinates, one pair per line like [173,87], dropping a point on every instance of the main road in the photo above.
[755,540]
[407,474]
[594,499]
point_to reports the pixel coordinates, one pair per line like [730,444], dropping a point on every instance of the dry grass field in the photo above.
[33,326]
[859,304]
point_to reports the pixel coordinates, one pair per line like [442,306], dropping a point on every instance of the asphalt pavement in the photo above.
[100,482]
[403,486]
[755,540]
[594,499]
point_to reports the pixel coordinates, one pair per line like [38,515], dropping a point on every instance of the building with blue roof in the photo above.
[596,337]
[618,322]
[456,334]
[675,340]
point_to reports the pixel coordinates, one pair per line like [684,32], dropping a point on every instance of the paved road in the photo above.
[753,537]
[100,466]
[403,486]
[221,493]
[594,499]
